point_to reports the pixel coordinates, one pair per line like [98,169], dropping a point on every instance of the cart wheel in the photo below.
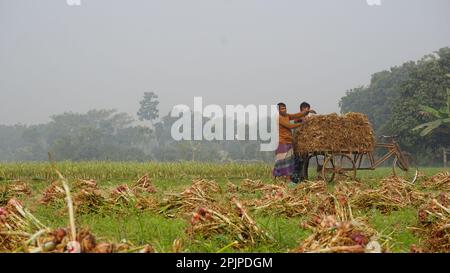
[338,167]
[317,163]
[405,167]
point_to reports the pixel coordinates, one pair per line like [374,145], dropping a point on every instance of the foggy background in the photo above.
[106,53]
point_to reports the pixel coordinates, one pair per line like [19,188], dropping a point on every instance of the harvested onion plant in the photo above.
[393,194]
[349,188]
[143,191]
[232,188]
[434,223]
[88,198]
[86,201]
[311,187]
[123,196]
[333,236]
[18,188]
[58,241]
[53,192]
[18,227]
[328,205]
[231,218]
[333,213]
[340,232]
[279,200]
[440,182]
[144,185]
[312,198]
[21,231]
[251,186]
[351,132]
[200,193]
[210,215]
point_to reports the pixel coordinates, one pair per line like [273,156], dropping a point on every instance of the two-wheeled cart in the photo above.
[338,165]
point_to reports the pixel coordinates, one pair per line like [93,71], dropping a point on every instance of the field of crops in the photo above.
[198,207]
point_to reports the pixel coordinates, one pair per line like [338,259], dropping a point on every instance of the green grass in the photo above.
[396,225]
[148,227]
[131,170]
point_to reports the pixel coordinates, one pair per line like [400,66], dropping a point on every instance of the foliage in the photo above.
[149,107]
[394,101]
[96,135]
[442,117]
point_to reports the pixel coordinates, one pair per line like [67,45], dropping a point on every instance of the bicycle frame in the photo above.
[393,151]
[356,159]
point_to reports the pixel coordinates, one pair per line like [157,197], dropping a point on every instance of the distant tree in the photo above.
[378,99]
[97,135]
[427,85]
[149,107]
[395,103]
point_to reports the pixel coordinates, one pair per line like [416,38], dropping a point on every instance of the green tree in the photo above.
[379,98]
[149,107]
[394,101]
[97,135]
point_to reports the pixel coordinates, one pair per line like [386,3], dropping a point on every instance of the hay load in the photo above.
[351,132]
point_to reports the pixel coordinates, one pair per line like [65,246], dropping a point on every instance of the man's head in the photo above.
[282,108]
[304,106]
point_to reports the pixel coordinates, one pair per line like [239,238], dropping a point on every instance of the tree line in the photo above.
[409,100]
[406,98]
[108,135]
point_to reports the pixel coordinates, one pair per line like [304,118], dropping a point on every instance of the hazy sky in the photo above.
[106,53]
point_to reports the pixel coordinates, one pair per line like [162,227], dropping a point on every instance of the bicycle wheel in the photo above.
[404,166]
[338,167]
